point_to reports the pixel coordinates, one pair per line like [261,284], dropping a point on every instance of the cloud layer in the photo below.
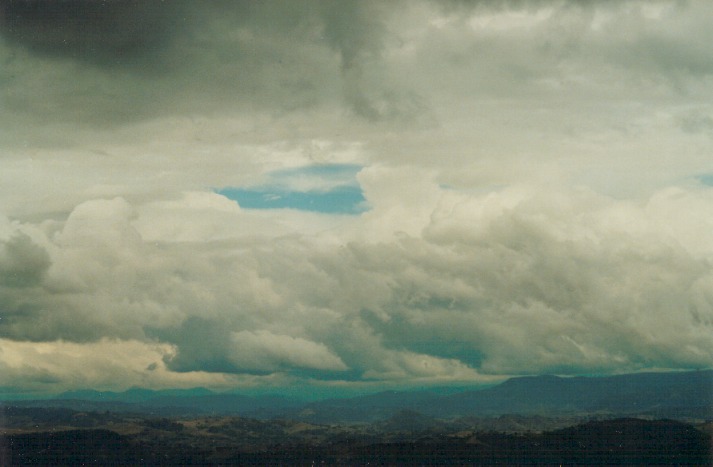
[532,183]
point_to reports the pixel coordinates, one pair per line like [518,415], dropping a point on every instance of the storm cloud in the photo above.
[528,191]
[124,60]
[105,33]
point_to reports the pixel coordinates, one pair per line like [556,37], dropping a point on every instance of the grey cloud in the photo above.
[202,346]
[492,285]
[23,267]
[667,46]
[23,263]
[138,60]
[353,29]
[143,60]
[108,33]
[205,345]
[356,33]
[653,43]
[696,122]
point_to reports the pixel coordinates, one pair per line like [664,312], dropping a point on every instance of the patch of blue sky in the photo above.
[330,189]
[706,179]
[340,200]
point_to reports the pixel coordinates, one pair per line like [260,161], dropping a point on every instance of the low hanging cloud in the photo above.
[265,350]
[32,367]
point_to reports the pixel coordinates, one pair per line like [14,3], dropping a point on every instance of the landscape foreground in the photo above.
[644,419]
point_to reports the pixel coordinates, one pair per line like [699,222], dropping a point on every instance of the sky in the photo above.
[327,196]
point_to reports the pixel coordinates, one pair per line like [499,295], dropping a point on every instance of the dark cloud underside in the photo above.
[106,33]
[145,58]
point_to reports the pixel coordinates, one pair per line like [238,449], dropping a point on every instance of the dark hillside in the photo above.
[234,441]
[658,395]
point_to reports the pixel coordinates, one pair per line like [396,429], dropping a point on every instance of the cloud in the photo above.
[264,350]
[122,60]
[506,282]
[535,174]
[22,262]
[101,223]
[109,33]
[581,92]
[208,345]
[106,365]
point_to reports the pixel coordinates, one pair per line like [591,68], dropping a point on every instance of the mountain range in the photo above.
[656,395]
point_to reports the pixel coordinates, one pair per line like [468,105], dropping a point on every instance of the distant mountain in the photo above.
[673,395]
[170,402]
[677,395]
[657,394]
[366,408]
[133,394]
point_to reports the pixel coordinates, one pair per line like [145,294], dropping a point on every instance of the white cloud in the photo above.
[512,281]
[263,350]
[46,367]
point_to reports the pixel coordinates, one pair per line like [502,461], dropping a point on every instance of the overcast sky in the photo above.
[352,194]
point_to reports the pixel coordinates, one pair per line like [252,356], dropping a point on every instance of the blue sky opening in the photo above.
[329,189]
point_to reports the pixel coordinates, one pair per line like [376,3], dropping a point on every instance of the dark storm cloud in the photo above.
[106,30]
[202,346]
[138,59]
[22,262]
[116,61]
[113,32]
[23,266]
